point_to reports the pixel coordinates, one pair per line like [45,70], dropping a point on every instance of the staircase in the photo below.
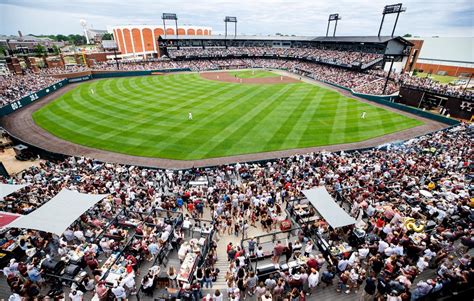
[223,265]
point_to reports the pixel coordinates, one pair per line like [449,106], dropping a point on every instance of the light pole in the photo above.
[333,17]
[228,19]
[388,75]
[173,17]
[392,9]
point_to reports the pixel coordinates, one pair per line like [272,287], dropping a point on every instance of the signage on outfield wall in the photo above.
[79,79]
[5,110]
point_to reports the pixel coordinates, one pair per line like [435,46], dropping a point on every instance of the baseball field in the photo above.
[149,115]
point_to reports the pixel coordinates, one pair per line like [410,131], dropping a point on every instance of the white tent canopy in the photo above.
[59,213]
[6,189]
[327,207]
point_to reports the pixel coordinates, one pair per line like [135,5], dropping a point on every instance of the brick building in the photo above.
[138,40]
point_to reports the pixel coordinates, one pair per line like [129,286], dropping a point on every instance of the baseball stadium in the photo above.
[173,163]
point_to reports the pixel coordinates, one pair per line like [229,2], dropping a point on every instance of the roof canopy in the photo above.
[7,217]
[59,213]
[337,39]
[6,189]
[334,215]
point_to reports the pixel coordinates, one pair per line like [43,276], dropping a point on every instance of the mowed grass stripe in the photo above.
[249,110]
[147,116]
[288,122]
[181,142]
[91,128]
[188,105]
[120,112]
[297,132]
[236,138]
[184,126]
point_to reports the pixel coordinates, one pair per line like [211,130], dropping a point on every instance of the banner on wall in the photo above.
[79,79]
[16,105]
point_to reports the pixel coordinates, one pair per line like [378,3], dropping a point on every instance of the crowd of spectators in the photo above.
[15,87]
[331,56]
[61,70]
[426,83]
[430,85]
[424,181]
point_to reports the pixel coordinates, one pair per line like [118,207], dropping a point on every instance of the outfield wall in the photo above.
[12,107]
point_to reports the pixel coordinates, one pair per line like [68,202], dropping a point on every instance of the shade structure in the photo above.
[6,189]
[324,203]
[7,217]
[59,213]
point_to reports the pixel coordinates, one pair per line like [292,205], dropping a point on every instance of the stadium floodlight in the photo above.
[392,9]
[333,17]
[231,20]
[172,17]
[228,19]
[168,16]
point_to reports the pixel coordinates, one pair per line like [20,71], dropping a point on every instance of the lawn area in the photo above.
[148,116]
[253,73]
[444,79]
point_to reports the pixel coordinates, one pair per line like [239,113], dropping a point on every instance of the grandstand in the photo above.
[309,168]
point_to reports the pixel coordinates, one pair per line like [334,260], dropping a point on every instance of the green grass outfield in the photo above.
[444,79]
[148,116]
[253,74]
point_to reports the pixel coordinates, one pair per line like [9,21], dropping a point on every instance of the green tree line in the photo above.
[75,39]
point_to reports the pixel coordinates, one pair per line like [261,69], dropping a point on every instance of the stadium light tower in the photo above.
[228,19]
[392,9]
[392,58]
[333,17]
[84,27]
[168,16]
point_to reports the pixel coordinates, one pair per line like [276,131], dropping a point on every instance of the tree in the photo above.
[39,50]
[77,39]
[55,50]
[407,35]
[3,51]
[107,36]
[62,38]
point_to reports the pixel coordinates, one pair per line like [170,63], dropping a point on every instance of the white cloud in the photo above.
[303,17]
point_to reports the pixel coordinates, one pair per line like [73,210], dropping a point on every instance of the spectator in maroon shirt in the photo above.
[277,252]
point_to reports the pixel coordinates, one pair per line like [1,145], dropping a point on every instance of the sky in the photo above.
[447,18]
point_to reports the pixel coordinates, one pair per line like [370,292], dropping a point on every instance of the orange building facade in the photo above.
[138,40]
